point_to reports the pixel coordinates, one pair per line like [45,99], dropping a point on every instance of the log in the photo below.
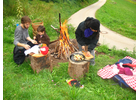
[70,43]
[54,46]
[77,70]
[75,43]
[55,29]
[41,62]
[60,21]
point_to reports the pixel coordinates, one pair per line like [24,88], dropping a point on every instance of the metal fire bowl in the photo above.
[72,57]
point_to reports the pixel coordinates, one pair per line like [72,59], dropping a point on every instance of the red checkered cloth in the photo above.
[108,72]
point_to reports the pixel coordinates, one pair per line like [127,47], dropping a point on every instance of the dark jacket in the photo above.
[82,40]
[44,39]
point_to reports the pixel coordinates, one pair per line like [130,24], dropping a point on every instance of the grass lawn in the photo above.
[119,16]
[21,83]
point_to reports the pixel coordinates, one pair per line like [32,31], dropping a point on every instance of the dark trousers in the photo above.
[30,44]
[18,54]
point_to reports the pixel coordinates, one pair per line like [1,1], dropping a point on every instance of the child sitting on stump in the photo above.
[42,37]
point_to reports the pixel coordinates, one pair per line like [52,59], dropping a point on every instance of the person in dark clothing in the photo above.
[42,37]
[87,34]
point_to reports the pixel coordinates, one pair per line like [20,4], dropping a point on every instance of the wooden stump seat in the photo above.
[39,63]
[77,70]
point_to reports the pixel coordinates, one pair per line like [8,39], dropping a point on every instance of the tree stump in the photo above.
[77,70]
[41,62]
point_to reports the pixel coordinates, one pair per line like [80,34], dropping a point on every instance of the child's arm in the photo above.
[46,40]
[36,38]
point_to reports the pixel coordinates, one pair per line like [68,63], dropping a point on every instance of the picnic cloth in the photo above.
[110,70]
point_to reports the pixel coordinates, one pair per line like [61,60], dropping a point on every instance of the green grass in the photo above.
[119,16]
[21,83]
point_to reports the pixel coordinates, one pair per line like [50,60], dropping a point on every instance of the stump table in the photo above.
[77,70]
[39,63]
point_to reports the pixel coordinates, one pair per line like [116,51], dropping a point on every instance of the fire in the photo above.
[64,33]
[65,46]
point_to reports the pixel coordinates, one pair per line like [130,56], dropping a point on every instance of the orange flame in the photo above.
[64,31]
[64,40]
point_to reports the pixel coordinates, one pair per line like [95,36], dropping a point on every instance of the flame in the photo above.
[65,41]
[64,31]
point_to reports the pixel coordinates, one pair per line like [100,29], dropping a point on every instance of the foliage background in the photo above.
[46,10]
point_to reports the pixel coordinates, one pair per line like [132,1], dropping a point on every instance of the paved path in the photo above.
[111,38]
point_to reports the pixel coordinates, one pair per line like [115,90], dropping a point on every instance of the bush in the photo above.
[60,1]
[9,8]
[12,7]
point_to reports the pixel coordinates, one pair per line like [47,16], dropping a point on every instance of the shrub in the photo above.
[9,8]
[19,9]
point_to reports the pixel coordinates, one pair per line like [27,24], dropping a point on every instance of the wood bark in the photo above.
[77,70]
[40,63]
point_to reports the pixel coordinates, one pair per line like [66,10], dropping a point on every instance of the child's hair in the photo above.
[25,19]
[41,28]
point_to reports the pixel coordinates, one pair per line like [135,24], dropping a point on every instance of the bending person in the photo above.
[87,34]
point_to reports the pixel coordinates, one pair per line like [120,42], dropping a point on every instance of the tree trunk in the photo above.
[41,62]
[77,70]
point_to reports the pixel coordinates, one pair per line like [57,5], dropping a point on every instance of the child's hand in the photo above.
[34,37]
[34,42]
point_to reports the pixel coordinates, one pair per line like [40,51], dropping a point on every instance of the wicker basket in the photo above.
[36,24]
[34,32]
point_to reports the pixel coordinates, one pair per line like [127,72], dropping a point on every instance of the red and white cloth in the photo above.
[108,72]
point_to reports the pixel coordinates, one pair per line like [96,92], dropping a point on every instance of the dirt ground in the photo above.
[56,61]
